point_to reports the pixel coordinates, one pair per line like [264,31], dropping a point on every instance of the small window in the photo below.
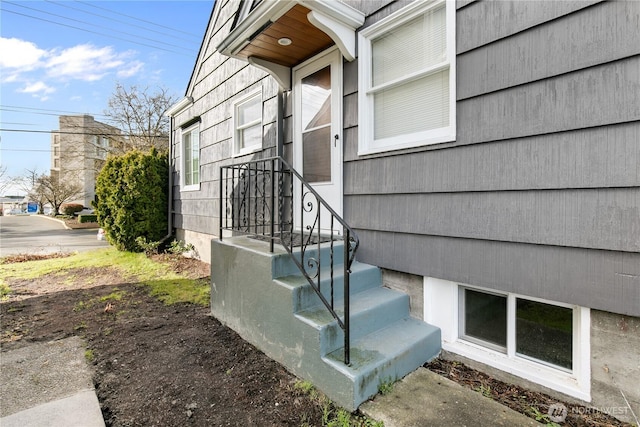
[407,84]
[543,331]
[484,318]
[191,157]
[248,124]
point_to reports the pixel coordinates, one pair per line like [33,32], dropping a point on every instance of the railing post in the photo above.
[273,205]
[221,202]
[347,272]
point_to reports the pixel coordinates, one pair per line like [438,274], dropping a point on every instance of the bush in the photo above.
[87,218]
[131,193]
[70,208]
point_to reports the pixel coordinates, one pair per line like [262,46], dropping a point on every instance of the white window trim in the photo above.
[441,308]
[183,185]
[236,139]
[366,142]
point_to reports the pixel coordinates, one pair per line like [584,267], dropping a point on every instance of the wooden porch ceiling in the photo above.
[306,39]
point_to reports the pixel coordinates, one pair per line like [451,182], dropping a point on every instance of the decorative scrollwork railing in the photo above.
[270,200]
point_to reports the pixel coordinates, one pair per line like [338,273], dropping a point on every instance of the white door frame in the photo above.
[331,191]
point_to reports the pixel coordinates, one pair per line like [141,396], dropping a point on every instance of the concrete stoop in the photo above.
[264,298]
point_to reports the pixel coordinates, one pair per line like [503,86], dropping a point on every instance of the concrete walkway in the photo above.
[48,385]
[424,398]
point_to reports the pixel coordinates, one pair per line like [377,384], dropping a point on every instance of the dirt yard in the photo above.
[157,365]
[175,365]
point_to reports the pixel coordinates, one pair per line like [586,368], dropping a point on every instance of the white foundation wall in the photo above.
[201,241]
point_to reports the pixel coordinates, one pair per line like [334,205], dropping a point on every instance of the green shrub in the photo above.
[70,208]
[87,218]
[131,193]
[149,248]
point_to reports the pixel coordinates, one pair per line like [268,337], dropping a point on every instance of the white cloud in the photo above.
[38,90]
[23,61]
[37,87]
[87,62]
[134,68]
[20,54]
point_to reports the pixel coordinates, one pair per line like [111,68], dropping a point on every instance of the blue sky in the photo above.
[65,57]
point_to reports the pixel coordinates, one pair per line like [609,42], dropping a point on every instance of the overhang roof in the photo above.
[311,26]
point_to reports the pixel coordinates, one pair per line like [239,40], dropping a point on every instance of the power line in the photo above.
[87,131]
[126,23]
[92,24]
[139,19]
[17,109]
[58,132]
[26,150]
[95,32]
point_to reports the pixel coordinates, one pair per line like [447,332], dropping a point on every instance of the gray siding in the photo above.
[540,193]
[216,83]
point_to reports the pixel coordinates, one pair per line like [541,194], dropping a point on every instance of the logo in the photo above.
[557,412]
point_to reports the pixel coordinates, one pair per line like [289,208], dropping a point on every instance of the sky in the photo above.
[65,57]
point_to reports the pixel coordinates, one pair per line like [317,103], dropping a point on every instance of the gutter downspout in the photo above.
[179,106]
[280,124]
[170,179]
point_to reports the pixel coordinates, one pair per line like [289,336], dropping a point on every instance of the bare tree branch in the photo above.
[140,114]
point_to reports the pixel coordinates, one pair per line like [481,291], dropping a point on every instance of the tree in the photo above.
[27,184]
[139,113]
[55,191]
[5,180]
[132,194]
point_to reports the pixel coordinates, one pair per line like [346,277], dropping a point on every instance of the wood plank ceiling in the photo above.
[306,39]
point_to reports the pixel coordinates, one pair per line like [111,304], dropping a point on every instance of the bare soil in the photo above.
[156,365]
[520,399]
[175,365]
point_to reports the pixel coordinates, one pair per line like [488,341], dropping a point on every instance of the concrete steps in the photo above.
[273,306]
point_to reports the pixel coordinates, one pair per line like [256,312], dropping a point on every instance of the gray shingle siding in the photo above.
[540,193]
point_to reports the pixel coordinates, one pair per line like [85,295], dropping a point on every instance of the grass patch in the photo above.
[175,290]
[386,386]
[88,354]
[4,291]
[333,416]
[163,283]
[116,295]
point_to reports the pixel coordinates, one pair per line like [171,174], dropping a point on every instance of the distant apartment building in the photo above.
[79,149]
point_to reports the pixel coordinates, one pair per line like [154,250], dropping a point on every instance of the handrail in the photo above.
[260,199]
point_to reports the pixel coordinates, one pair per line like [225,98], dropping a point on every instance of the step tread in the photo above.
[359,302]
[299,279]
[382,345]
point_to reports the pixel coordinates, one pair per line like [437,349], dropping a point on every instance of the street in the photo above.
[36,234]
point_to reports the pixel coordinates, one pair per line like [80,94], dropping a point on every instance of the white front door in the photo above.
[317,140]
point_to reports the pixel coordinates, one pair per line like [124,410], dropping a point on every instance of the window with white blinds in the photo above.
[191,158]
[247,118]
[407,84]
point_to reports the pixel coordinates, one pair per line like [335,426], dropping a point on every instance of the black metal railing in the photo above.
[271,201]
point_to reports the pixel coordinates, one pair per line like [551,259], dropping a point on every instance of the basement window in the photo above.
[547,342]
[541,332]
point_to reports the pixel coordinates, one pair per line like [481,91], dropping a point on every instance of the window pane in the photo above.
[316,155]
[186,140]
[416,106]
[316,99]
[191,153]
[249,111]
[250,136]
[485,317]
[544,332]
[409,48]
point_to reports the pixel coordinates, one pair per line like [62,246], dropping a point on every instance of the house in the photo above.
[79,149]
[486,154]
